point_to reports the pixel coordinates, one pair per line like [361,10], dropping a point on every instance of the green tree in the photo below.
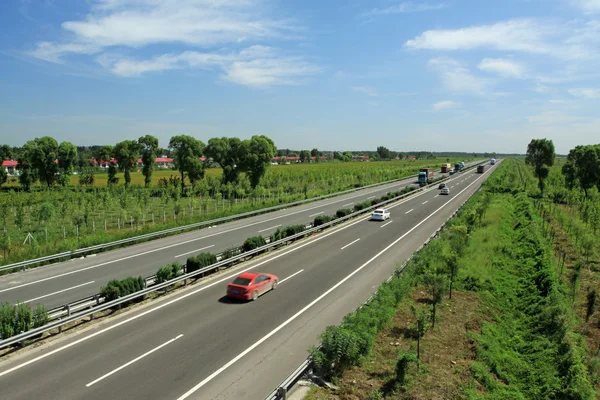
[347,156]
[419,326]
[305,156]
[148,148]
[6,152]
[452,264]
[583,167]
[186,151]
[42,153]
[540,155]
[126,153]
[67,158]
[316,154]
[105,154]
[258,153]
[3,176]
[384,153]
[435,281]
[229,154]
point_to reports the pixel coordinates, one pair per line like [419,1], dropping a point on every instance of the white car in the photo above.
[445,190]
[380,214]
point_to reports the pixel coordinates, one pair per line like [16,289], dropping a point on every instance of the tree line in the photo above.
[45,160]
[582,168]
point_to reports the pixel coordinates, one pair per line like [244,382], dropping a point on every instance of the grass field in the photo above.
[509,331]
[62,219]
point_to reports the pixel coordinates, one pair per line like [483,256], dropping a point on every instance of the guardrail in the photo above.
[94,304]
[70,254]
[305,369]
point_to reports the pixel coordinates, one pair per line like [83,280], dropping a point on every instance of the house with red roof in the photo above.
[10,166]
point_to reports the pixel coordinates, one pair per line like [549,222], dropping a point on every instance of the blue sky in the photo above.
[462,75]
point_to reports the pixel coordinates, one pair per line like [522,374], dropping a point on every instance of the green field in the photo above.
[61,219]
[509,331]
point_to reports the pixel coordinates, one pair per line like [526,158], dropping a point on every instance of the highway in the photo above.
[194,344]
[61,283]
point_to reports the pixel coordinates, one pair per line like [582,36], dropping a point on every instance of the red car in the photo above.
[250,285]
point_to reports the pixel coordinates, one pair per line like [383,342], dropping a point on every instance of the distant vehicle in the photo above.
[451,172]
[380,214]
[492,161]
[426,176]
[442,185]
[445,191]
[446,168]
[480,169]
[250,285]
[457,167]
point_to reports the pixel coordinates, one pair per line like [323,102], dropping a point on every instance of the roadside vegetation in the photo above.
[491,309]
[48,216]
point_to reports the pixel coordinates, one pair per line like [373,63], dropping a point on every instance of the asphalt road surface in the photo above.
[194,344]
[58,284]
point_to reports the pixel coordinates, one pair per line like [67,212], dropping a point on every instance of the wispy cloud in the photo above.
[116,27]
[502,67]
[401,8]
[553,118]
[443,105]
[368,90]
[566,42]
[457,77]
[588,6]
[258,66]
[587,93]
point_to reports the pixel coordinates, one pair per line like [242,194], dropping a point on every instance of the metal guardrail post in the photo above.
[282,392]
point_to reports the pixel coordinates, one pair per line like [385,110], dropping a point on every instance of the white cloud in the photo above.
[589,6]
[502,67]
[137,23]
[457,78]
[552,118]
[406,7]
[258,66]
[588,93]
[368,90]
[116,27]
[442,105]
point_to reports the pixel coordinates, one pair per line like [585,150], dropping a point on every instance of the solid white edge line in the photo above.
[312,303]
[291,276]
[60,291]
[409,211]
[387,223]
[134,360]
[349,244]
[116,325]
[193,251]
[267,229]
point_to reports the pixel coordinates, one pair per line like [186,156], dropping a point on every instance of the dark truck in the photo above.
[480,169]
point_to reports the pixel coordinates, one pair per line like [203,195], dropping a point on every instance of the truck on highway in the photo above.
[446,168]
[492,161]
[426,176]
[480,169]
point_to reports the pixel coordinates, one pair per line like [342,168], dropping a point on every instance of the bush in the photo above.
[404,360]
[321,219]
[119,288]
[168,272]
[342,212]
[254,242]
[286,231]
[15,319]
[229,253]
[200,261]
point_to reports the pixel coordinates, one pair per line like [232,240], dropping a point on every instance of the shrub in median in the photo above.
[342,212]
[286,231]
[15,319]
[362,206]
[168,272]
[254,242]
[321,219]
[119,288]
[200,261]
